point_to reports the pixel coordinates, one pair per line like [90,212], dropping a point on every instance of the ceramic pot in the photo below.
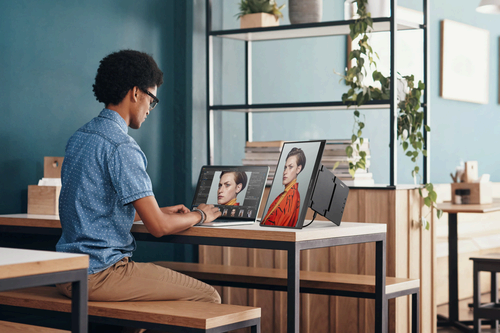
[305,11]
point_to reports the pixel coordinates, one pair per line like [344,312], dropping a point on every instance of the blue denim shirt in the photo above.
[103,172]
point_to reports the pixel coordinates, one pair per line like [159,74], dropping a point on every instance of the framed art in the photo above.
[465,52]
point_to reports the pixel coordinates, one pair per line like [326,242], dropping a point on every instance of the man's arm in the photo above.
[170,220]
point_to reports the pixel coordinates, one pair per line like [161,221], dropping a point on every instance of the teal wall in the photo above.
[303,70]
[50,51]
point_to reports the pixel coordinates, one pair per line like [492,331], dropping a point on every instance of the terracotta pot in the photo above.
[258,20]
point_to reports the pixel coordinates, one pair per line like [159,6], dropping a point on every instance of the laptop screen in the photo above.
[293,183]
[236,190]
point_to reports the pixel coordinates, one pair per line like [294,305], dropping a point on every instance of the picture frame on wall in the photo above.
[465,53]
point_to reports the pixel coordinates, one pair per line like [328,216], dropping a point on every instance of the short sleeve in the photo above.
[127,169]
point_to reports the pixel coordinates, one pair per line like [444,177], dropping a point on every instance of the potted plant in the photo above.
[259,13]
[410,118]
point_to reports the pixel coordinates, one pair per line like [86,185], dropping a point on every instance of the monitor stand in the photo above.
[329,196]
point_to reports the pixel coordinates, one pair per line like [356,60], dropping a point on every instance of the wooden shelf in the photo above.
[306,30]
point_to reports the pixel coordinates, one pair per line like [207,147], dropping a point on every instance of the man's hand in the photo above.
[175,209]
[210,211]
[170,220]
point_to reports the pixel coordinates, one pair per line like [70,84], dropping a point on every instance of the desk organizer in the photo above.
[44,200]
[471,193]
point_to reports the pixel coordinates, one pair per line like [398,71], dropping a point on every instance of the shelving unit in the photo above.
[312,30]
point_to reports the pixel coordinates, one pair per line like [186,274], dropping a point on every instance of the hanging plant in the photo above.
[410,118]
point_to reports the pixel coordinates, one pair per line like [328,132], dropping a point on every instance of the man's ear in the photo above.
[134,94]
[239,187]
[299,169]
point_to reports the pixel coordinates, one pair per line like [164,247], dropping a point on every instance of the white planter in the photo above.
[379,8]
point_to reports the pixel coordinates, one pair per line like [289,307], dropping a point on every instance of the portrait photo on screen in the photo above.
[229,188]
[289,198]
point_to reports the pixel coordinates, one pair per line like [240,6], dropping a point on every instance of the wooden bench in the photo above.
[10,327]
[325,283]
[171,316]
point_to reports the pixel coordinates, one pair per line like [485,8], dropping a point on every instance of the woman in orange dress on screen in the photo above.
[284,211]
[231,183]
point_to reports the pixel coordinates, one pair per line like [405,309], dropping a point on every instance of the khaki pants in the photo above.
[134,281]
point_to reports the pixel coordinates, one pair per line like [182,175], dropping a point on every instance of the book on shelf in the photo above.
[359,182]
[268,153]
[254,144]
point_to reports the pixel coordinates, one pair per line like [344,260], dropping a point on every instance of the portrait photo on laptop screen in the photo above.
[236,190]
[296,172]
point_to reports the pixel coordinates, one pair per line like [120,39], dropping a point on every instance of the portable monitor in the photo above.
[301,182]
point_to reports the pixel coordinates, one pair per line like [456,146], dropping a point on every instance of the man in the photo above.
[284,211]
[231,183]
[105,187]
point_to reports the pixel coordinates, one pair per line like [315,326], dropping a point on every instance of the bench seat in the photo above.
[309,281]
[194,315]
[10,327]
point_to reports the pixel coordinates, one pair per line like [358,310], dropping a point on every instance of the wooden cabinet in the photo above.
[410,253]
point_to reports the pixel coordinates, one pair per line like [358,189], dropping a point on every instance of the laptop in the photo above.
[236,190]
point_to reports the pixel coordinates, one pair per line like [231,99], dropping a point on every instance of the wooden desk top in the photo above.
[448,207]
[20,262]
[317,230]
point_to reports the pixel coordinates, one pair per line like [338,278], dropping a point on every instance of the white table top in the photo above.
[21,262]
[317,230]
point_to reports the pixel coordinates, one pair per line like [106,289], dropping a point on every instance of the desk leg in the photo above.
[381,304]
[452,268]
[79,309]
[293,292]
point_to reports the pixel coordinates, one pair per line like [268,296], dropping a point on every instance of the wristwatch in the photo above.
[203,216]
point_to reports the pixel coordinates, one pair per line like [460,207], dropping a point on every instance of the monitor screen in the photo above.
[236,190]
[293,184]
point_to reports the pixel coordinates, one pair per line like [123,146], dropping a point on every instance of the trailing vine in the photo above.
[410,119]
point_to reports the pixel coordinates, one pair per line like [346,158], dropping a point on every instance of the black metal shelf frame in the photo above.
[308,30]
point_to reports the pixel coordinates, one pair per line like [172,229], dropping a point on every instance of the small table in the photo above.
[453,211]
[21,268]
[318,235]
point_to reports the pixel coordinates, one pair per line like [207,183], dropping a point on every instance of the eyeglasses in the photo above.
[155,101]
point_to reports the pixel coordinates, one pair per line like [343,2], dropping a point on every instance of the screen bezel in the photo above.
[310,188]
[244,168]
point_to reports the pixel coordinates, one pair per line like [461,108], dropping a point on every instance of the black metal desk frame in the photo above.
[293,263]
[79,310]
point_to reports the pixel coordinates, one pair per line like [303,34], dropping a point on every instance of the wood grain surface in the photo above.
[178,313]
[20,262]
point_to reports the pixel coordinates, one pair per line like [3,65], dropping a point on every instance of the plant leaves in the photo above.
[439,213]
[348,151]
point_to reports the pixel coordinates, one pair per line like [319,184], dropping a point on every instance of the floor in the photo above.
[465,313]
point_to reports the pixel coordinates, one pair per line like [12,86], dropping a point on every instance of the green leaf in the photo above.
[439,213]
[336,165]
[361,125]
[427,128]
[361,140]
[351,172]
[353,138]
[348,151]
[409,153]
[424,152]
[405,145]
[359,133]
[429,187]
[433,195]
[427,201]
[356,113]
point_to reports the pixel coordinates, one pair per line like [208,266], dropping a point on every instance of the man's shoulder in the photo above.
[106,130]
